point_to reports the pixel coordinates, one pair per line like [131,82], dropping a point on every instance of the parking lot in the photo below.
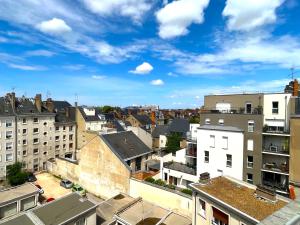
[51,186]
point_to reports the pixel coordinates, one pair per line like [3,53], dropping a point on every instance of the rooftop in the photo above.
[141,212]
[240,197]
[126,144]
[22,219]
[17,192]
[63,209]
[180,167]
[221,128]
[143,119]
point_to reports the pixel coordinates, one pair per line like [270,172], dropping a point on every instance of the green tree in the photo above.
[194,119]
[173,142]
[15,174]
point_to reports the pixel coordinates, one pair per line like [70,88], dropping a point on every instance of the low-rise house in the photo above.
[18,199]
[227,201]
[70,209]
[142,121]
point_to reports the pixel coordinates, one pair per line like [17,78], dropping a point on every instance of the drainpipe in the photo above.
[285,121]
[195,209]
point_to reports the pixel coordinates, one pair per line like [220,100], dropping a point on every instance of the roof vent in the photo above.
[265,193]
[204,178]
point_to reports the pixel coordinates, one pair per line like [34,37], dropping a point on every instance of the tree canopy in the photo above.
[173,142]
[15,174]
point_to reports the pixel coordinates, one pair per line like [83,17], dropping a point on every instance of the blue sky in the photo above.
[137,52]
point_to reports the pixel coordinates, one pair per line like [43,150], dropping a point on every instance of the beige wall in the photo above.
[161,197]
[99,170]
[134,122]
[295,150]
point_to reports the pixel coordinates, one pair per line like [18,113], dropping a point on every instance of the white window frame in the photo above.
[201,211]
[212,141]
[276,109]
[251,125]
[10,132]
[12,157]
[224,142]
[250,144]
[229,165]
[207,121]
[250,164]
[8,122]
[221,122]
[38,141]
[11,146]
[250,181]
[206,157]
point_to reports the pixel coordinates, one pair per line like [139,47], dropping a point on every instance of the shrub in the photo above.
[150,179]
[15,174]
[171,186]
[187,191]
[160,182]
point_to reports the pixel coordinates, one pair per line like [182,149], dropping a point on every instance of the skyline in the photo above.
[124,52]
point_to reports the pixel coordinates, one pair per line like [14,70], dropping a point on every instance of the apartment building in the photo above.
[7,136]
[264,120]
[29,132]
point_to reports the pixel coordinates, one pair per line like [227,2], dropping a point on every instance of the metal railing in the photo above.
[241,110]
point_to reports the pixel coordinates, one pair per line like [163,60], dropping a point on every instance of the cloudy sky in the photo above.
[126,52]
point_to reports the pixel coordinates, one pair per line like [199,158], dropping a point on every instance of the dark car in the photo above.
[31,177]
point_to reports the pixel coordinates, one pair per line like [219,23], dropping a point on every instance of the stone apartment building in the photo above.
[29,130]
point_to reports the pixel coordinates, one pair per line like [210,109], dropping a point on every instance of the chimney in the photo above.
[12,99]
[38,102]
[67,112]
[153,117]
[204,178]
[295,88]
[50,105]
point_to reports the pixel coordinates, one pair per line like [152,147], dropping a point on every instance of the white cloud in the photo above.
[171,74]
[98,77]
[246,15]
[129,8]
[26,67]
[144,68]
[175,17]
[41,52]
[54,26]
[157,82]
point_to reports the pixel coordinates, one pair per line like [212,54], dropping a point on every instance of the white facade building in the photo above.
[220,151]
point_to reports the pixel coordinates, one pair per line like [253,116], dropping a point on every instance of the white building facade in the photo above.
[220,151]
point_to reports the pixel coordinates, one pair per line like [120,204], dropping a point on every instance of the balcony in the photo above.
[272,130]
[279,168]
[282,150]
[241,110]
[191,150]
[276,181]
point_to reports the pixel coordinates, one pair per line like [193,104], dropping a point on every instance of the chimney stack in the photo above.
[50,105]
[295,88]
[38,102]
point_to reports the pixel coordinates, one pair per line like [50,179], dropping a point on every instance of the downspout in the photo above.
[285,119]
[195,210]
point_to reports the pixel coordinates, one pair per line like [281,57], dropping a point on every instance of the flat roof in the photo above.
[20,220]
[141,212]
[10,194]
[63,209]
[108,208]
[220,128]
[239,196]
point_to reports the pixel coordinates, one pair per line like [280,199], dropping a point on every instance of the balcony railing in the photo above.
[282,168]
[275,130]
[276,185]
[241,110]
[277,149]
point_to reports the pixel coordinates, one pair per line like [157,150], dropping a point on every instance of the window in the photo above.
[45,143]
[250,161]
[64,128]
[45,133]
[24,131]
[202,208]
[250,178]
[225,142]
[8,123]
[57,128]
[212,141]
[35,130]
[45,123]
[56,146]
[221,121]
[166,176]
[9,134]
[35,141]
[248,108]
[24,121]
[64,146]
[71,145]
[64,137]
[35,120]
[56,138]
[70,128]
[25,142]
[228,160]
[275,107]
[206,156]
[24,152]
[250,125]
[250,145]
[80,221]
[71,137]
[35,151]
[9,157]
[9,146]
[207,121]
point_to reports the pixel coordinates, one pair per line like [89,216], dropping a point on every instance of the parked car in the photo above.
[77,188]
[41,191]
[31,177]
[50,199]
[66,183]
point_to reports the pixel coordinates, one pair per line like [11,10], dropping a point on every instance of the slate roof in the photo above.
[222,128]
[126,145]
[118,126]
[160,130]
[61,105]
[179,125]
[5,107]
[143,119]
[89,118]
